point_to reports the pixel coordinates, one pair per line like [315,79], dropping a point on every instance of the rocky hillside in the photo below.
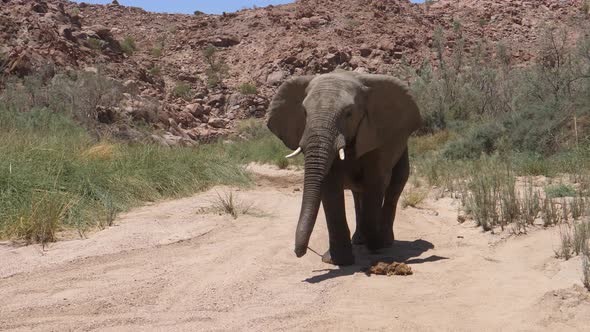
[161,56]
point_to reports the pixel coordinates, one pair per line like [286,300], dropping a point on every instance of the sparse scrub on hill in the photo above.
[95,43]
[79,95]
[128,45]
[217,69]
[247,89]
[155,70]
[183,90]
[158,48]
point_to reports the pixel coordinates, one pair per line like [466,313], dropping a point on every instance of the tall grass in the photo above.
[53,174]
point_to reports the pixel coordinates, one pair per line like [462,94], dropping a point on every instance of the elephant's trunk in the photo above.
[319,154]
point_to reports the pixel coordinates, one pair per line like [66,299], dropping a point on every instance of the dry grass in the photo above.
[574,239]
[102,151]
[41,221]
[228,203]
[413,197]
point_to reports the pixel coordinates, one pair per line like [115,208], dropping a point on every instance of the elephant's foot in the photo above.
[375,243]
[358,238]
[389,240]
[340,256]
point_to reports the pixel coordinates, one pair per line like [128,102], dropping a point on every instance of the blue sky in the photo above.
[189,6]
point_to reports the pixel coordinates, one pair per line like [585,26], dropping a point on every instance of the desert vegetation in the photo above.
[62,169]
[491,128]
[510,142]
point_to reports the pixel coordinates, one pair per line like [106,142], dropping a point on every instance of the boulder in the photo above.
[225,41]
[276,78]
[217,123]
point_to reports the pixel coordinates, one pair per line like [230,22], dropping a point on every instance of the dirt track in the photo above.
[168,267]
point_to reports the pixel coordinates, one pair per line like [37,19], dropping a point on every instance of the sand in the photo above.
[171,267]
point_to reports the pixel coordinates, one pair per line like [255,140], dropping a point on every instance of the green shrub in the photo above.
[247,89]
[156,52]
[282,162]
[128,45]
[535,107]
[95,43]
[532,164]
[159,47]
[183,90]
[560,190]
[217,69]
[481,139]
[155,70]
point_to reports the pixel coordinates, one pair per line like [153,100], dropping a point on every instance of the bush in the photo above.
[183,90]
[95,43]
[158,48]
[413,197]
[155,71]
[535,109]
[128,45]
[247,89]
[481,139]
[560,190]
[217,69]
[156,52]
[282,162]
[78,95]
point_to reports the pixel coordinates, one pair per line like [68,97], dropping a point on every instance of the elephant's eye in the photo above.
[348,113]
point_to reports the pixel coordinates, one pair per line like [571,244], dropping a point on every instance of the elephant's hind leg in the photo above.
[399,177]
[340,252]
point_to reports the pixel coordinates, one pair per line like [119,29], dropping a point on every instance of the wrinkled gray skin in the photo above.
[371,118]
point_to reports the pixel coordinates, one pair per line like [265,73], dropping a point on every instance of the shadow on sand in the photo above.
[401,251]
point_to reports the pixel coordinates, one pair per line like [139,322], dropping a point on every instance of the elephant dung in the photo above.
[398,269]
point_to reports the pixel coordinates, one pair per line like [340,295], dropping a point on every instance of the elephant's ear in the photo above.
[286,117]
[392,114]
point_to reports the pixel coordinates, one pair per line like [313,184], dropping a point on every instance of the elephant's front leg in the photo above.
[399,177]
[371,225]
[340,252]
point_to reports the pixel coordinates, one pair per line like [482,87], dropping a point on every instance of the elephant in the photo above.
[353,131]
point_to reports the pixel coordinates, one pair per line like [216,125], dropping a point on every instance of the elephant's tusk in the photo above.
[341,153]
[298,151]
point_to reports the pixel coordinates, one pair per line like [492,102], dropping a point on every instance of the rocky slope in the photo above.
[261,47]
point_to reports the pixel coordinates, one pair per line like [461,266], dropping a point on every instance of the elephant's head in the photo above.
[341,114]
